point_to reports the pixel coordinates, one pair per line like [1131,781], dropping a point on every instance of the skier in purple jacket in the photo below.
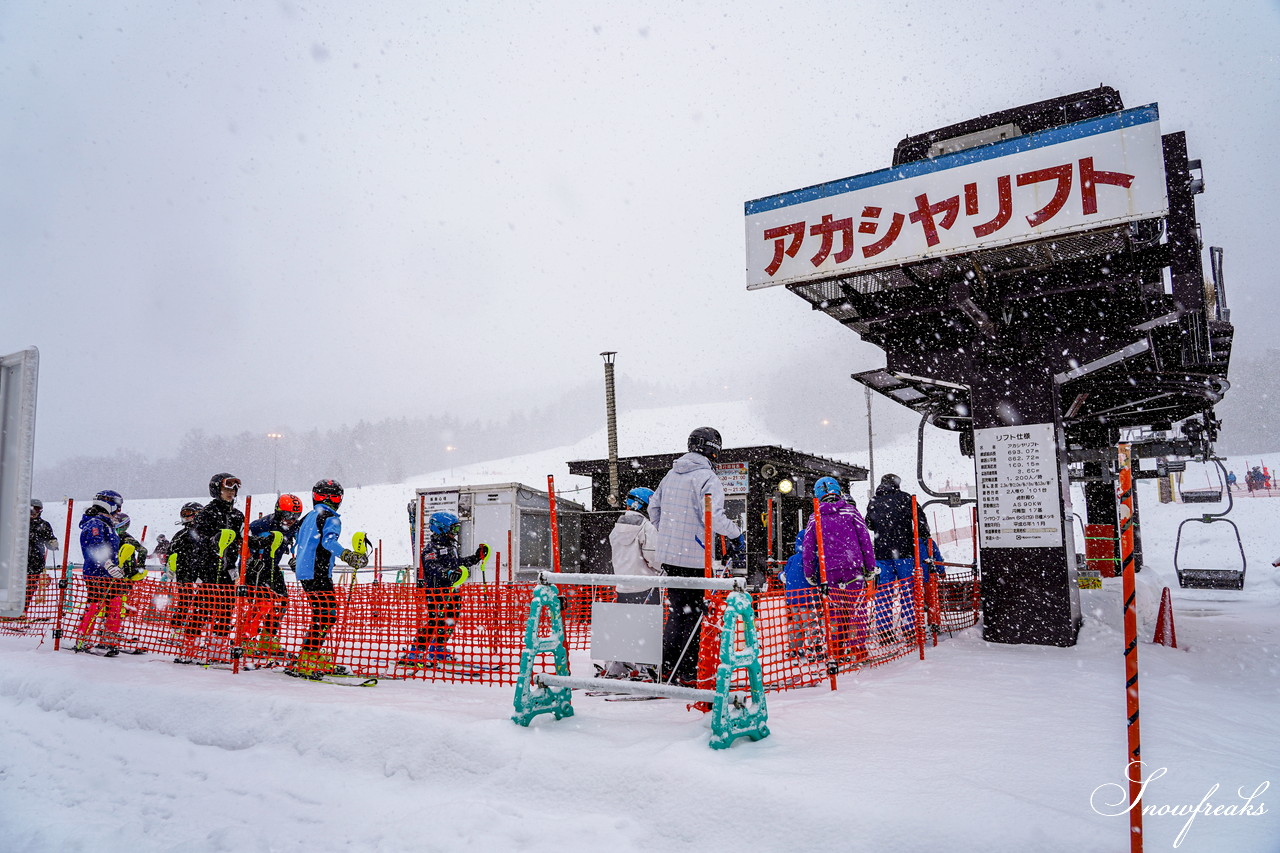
[850,562]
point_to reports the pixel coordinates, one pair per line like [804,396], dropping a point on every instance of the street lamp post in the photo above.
[275,461]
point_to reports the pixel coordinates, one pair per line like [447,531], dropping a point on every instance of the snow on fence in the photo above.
[485,622]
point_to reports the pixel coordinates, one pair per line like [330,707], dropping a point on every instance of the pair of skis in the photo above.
[466,670]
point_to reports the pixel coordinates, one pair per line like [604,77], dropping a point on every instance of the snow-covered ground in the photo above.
[980,747]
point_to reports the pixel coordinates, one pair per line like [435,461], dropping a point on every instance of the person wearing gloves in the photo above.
[850,563]
[441,574]
[676,510]
[270,538]
[132,560]
[316,550]
[40,541]
[103,577]
[219,527]
[633,541]
[182,566]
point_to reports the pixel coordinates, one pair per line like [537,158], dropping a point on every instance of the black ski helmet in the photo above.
[189,511]
[327,492]
[705,440]
[218,482]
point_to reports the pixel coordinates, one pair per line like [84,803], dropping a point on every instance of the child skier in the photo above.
[185,550]
[219,526]
[850,563]
[441,572]
[40,541]
[270,538]
[804,639]
[633,540]
[317,548]
[99,544]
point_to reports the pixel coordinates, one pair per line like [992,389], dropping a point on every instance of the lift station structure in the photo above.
[1035,278]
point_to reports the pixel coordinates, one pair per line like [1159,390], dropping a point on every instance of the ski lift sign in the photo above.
[1079,177]
[1018,486]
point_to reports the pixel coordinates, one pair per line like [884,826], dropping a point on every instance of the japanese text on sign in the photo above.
[1018,487]
[1074,178]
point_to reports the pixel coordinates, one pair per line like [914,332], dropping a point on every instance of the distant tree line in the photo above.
[362,454]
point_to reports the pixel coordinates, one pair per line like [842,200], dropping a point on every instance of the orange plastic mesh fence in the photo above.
[476,633]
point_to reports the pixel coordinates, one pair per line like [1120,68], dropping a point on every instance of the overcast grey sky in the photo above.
[238,215]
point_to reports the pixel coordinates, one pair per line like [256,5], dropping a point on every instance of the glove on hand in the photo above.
[354,560]
[293,563]
[115,571]
[482,552]
[869,572]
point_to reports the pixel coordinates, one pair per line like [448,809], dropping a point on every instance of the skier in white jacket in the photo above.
[676,509]
[633,540]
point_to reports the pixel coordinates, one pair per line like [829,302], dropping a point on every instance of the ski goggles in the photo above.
[289,518]
[232,483]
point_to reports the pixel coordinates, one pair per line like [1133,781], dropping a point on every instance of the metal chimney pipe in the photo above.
[611,409]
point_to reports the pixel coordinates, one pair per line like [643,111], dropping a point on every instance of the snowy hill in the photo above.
[979,747]
[380,509]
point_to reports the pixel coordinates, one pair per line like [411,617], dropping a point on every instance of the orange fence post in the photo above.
[917,583]
[706,536]
[555,530]
[1134,764]
[822,594]
[62,584]
[237,602]
[768,530]
[975,593]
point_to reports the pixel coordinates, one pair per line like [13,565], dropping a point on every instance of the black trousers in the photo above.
[324,610]
[684,617]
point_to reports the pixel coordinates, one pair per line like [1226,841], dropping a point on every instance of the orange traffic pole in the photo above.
[822,592]
[62,582]
[1133,767]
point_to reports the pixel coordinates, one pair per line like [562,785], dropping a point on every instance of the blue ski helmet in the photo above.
[638,499]
[799,541]
[442,523]
[109,500]
[826,489]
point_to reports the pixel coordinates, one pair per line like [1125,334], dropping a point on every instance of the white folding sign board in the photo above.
[1078,177]
[626,632]
[18,374]
[1019,495]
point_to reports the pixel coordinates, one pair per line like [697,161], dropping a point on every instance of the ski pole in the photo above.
[697,627]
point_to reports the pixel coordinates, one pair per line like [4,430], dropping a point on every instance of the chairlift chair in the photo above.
[1216,577]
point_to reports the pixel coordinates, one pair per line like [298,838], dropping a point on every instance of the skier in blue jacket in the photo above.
[103,577]
[317,548]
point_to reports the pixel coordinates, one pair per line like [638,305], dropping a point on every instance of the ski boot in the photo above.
[437,653]
[82,646]
[414,656]
[311,665]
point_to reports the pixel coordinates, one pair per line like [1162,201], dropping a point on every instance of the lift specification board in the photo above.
[1018,486]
